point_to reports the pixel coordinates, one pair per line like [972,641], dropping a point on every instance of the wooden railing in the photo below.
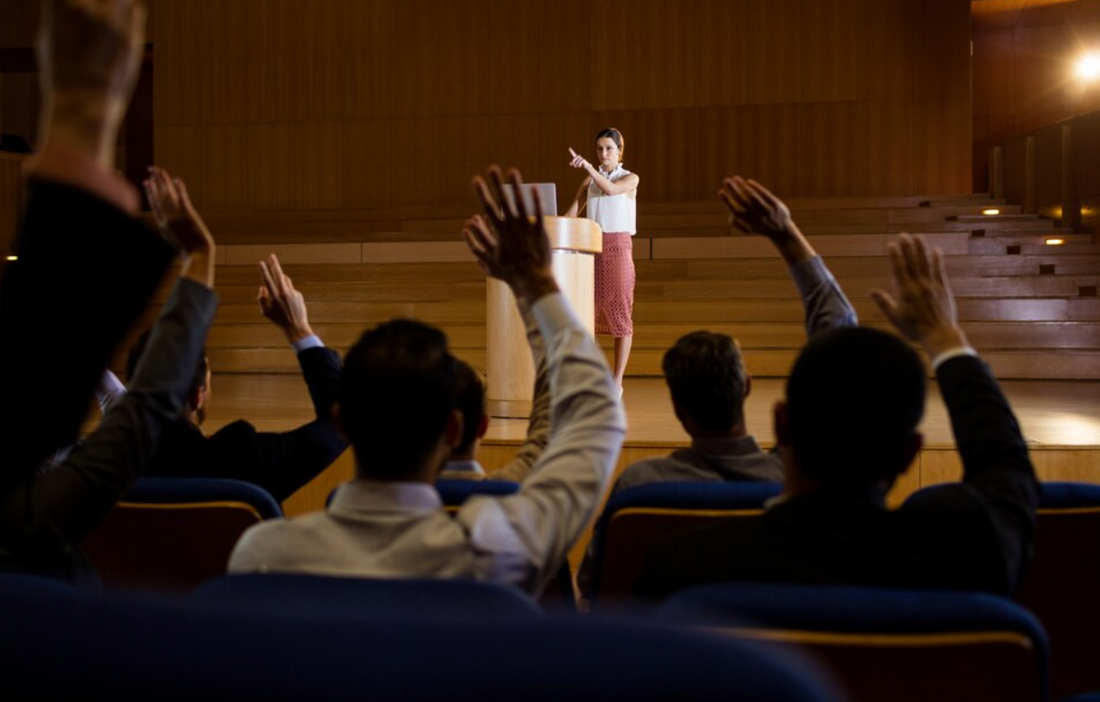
[1053,171]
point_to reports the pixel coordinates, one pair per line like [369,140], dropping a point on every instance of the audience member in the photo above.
[279,462]
[398,407]
[847,430]
[86,269]
[462,463]
[706,375]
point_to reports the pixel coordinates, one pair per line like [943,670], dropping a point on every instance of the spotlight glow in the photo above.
[1088,67]
[11,257]
[1055,242]
[991,211]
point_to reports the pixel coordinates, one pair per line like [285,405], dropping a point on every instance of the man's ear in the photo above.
[748,385]
[483,427]
[452,430]
[196,398]
[338,421]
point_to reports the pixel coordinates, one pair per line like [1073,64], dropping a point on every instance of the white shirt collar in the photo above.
[379,496]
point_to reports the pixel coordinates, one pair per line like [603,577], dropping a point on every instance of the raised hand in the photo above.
[89,54]
[176,217]
[922,307]
[755,210]
[577,161]
[281,302]
[179,221]
[508,243]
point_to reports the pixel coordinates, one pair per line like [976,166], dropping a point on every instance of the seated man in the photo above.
[86,269]
[462,464]
[278,462]
[706,375]
[847,429]
[398,407]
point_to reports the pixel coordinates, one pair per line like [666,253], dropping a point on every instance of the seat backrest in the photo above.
[170,534]
[1062,583]
[637,517]
[99,648]
[884,644]
[366,598]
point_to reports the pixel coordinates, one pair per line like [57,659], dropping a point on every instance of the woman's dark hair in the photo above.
[616,136]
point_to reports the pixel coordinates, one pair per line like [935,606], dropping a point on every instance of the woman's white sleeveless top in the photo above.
[614,213]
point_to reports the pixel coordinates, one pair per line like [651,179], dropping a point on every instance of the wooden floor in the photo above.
[1061,421]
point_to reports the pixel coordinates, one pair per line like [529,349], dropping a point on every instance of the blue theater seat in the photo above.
[171,534]
[882,644]
[637,517]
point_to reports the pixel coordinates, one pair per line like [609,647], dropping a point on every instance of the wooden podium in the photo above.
[574,242]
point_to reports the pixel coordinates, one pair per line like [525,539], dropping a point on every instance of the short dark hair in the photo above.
[398,387]
[471,402]
[137,351]
[854,398]
[707,378]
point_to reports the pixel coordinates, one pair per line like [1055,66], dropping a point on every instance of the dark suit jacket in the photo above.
[974,535]
[280,463]
[86,271]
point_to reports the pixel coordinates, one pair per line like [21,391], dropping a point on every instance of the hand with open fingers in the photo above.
[754,209]
[281,302]
[176,217]
[89,54]
[509,243]
[922,306]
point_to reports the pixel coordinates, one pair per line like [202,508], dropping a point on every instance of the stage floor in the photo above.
[1052,414]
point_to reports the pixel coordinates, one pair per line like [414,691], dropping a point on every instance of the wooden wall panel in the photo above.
[514,60]
[415,85]
[366,37]
[408,98]
[221,61]
[367,157]
[566,70]
[417,154]
[224,167]
[463,87]
[464,148]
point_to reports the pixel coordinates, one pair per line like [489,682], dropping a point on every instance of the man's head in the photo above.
[854,400]
[198,397]
[471,402]
[708,383]
[398,398]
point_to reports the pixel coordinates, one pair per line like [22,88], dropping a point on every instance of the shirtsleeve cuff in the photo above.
[947,355]
[310,342]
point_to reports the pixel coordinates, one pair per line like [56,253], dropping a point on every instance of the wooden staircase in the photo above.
[1029,307]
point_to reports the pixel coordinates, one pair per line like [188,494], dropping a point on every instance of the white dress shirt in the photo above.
[399,530]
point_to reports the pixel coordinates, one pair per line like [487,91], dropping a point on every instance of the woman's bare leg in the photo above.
[622,354]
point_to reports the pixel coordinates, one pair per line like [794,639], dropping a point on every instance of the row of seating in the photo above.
[177,535]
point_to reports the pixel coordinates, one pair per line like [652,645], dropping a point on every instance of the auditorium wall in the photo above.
[1024,69]
[268,105]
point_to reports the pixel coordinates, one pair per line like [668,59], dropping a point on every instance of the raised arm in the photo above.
[538,425]
[626,184]
[754,209]
[528,535]
[997,470]
[86,267]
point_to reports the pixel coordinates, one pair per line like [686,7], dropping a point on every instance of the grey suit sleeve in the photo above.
[825,304]
[65,503]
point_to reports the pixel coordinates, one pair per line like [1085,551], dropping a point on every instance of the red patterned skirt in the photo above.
[615,286]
